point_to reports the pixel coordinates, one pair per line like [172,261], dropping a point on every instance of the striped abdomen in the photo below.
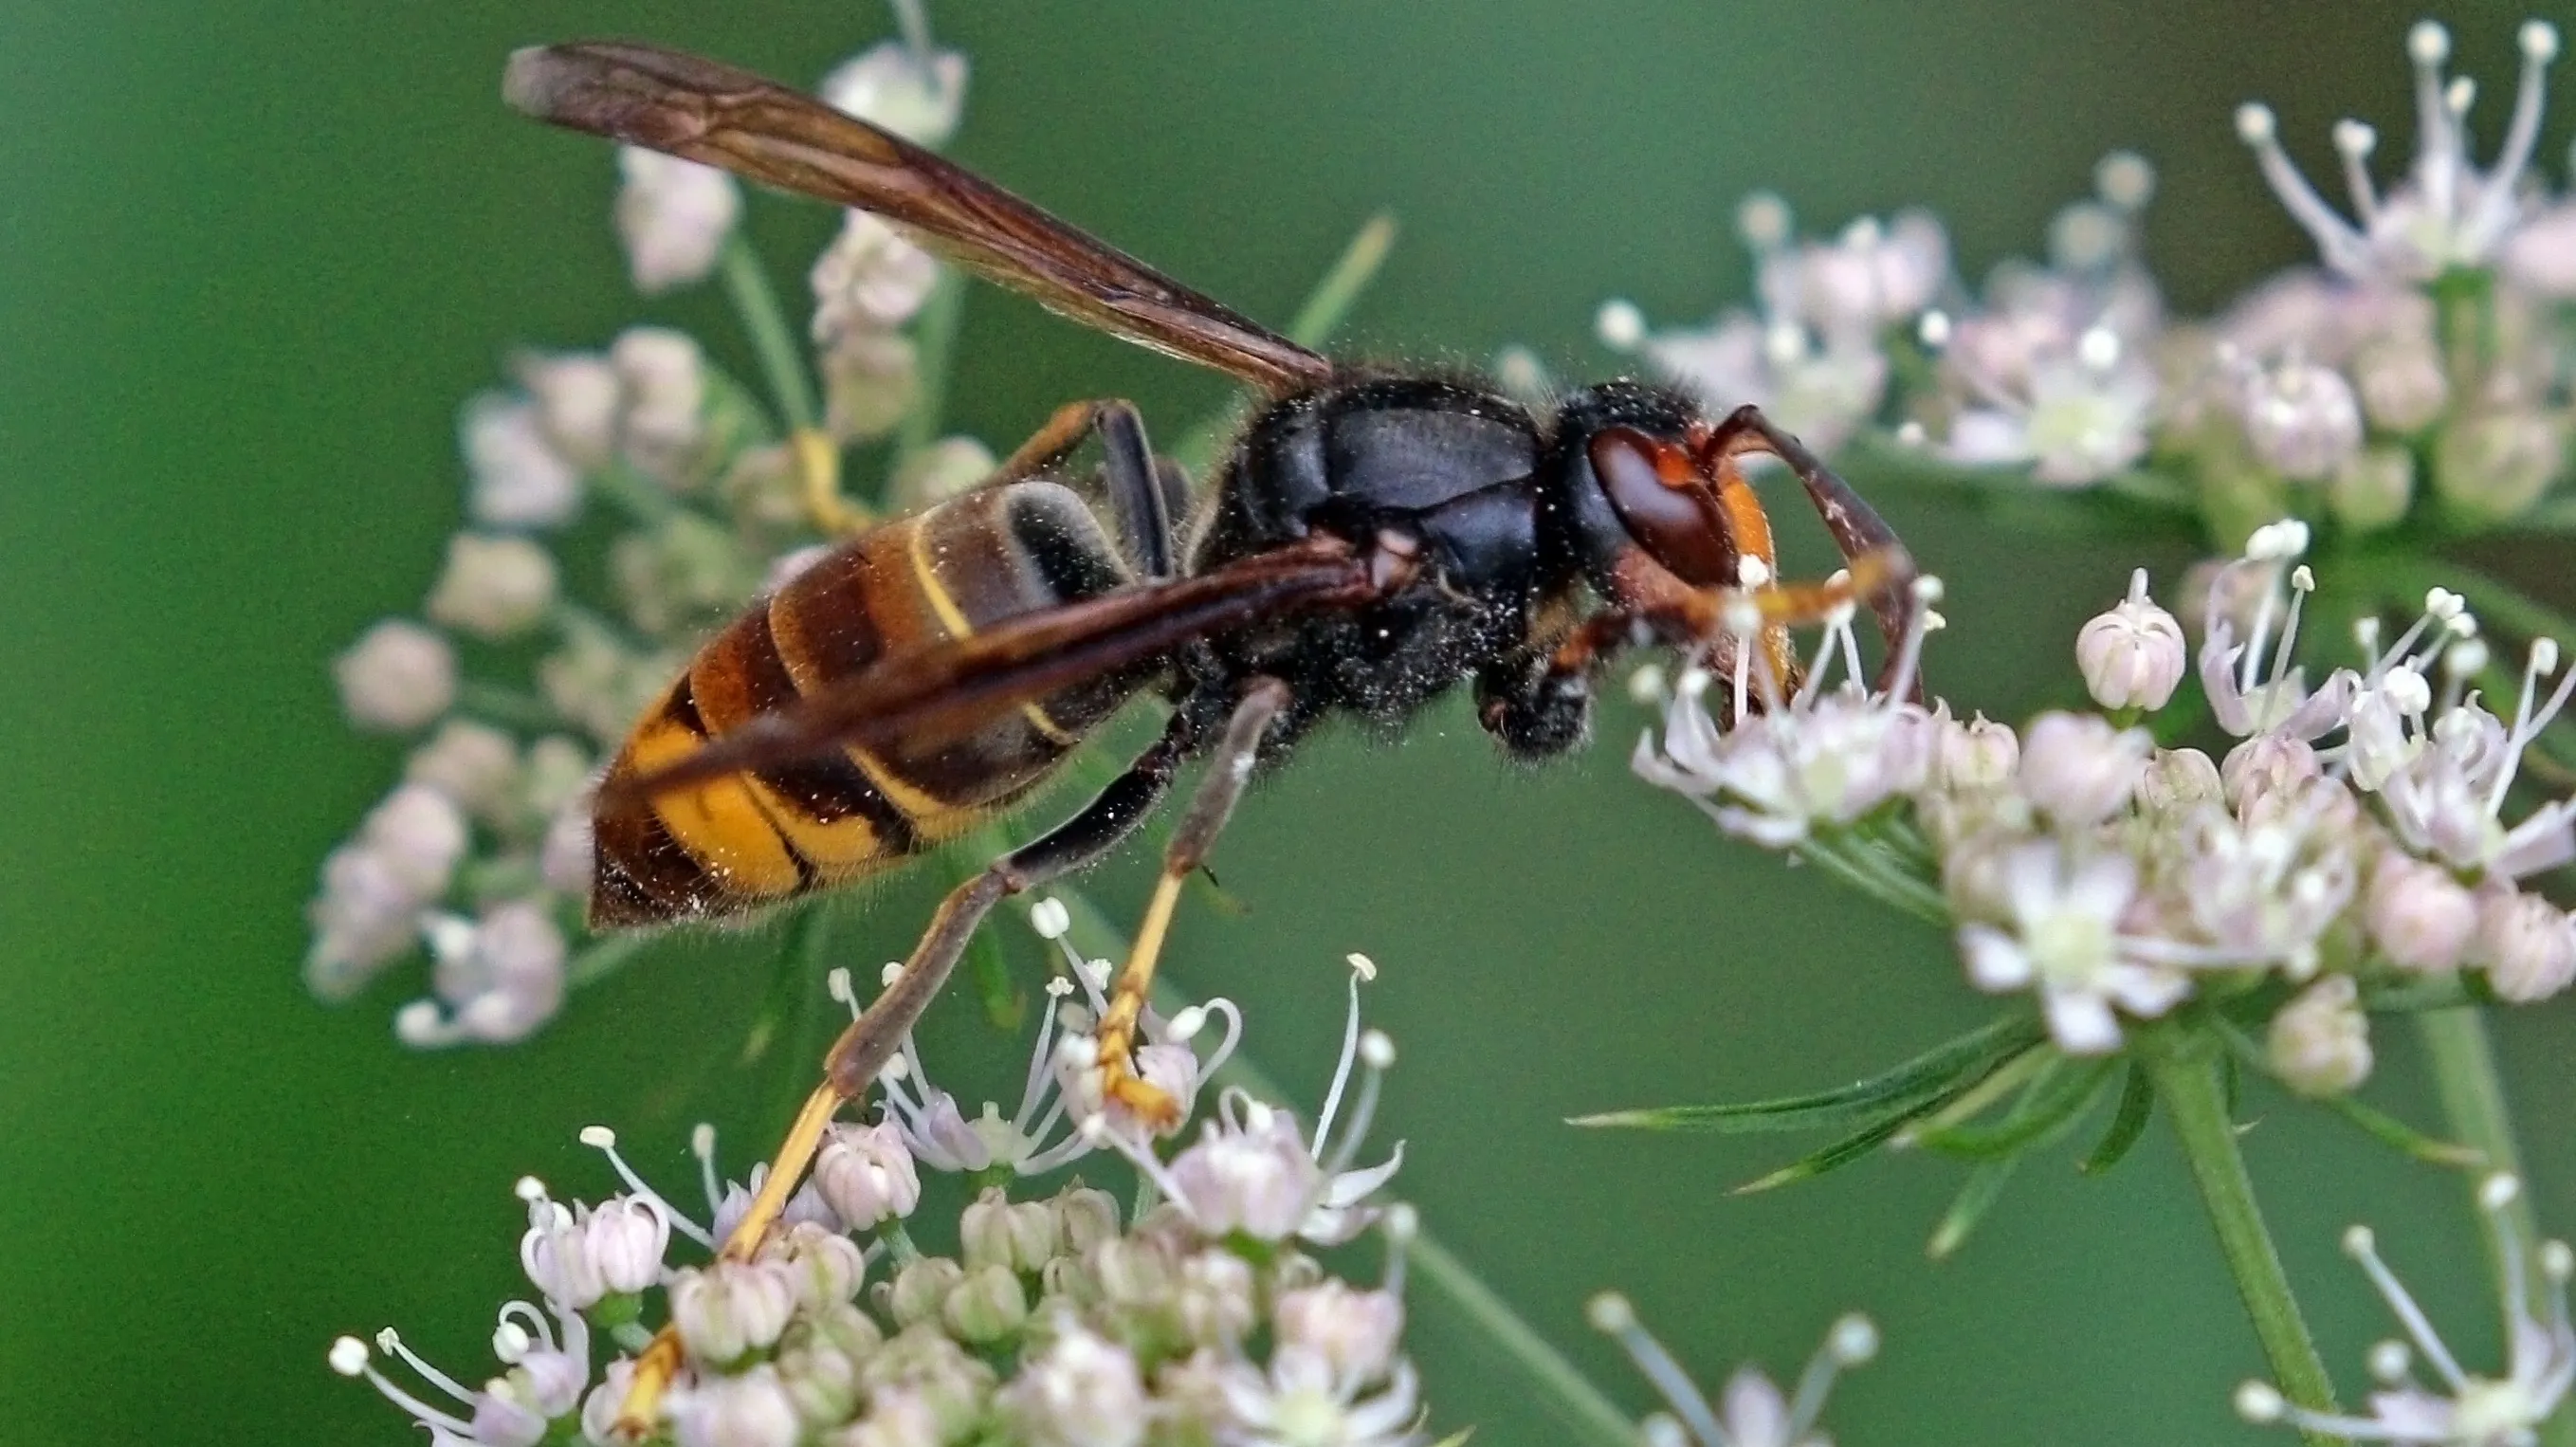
[756,838]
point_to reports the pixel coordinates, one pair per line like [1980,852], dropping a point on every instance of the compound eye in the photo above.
[1668,508]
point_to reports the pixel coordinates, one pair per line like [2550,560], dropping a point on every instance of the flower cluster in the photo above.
[1058,1320]
[2421,372]
[620,504]
[2354,831]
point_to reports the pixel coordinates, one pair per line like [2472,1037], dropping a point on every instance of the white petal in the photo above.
[1996,961]
[2082,1023]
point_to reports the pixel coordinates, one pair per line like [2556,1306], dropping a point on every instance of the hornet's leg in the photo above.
[863,1049]
[1229,768]
[1881,569]
[818,476]
[1136,486]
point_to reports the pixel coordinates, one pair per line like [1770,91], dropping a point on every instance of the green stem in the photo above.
[934,338]
[500,704]
[1574,1400]
[1332,298]
[782,360]
[2184,1072]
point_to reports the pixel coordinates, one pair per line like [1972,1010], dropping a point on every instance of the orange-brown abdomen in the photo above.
[755,838]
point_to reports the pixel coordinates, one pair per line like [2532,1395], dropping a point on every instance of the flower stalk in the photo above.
[755,302]
[2182,1066]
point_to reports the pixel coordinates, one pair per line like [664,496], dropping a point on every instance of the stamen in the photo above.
[1050,918]
[1402,1223]
[2341,246]
[837,985]
[702,1144]
[1852,1341]
[390,1342]
[1350,1051]
[1934,329]
[2354,141]
[603,1140]
[2390,1362]
[1927,591]
[2363,1247]
[2437,148]
[349,1359]
[1611,1314]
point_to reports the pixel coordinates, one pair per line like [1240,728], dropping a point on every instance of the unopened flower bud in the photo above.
[2302,419]
[1978,754]
[2267,766]
[2373,488]
[2133,655]
[826,1265]
[731,1308]
[922,1287]
[2320,1042]
[996,1231]
[918,97]
[2401,381]
[1083,1392]
[1354,1332]
[672,217]
[555,1252]
[626,1237]
[493,587]
[1216,1303]
[2078,769]
[2421,917]
[749,1410]
[2178,781]
[1085,1217]
[396,678]
[2527,945]
[987,1306]
[822,1383]
[866,1174]
[2493,467]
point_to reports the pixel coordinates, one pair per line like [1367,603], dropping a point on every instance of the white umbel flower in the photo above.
[2065,943]
[2319,1043]
[1752,1411]
[2446,213]
[518,479]
[494,587]
[2458,1408]
[916,91]
[672,217]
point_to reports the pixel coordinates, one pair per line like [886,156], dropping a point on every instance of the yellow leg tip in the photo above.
[818,468]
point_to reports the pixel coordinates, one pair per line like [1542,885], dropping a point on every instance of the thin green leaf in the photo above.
[1976,1196]
[1933,1072]
[2128,1123]
[2388,1130]
[2057,1097]
[1841,1153]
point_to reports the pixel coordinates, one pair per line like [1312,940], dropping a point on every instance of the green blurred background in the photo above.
[257,254]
